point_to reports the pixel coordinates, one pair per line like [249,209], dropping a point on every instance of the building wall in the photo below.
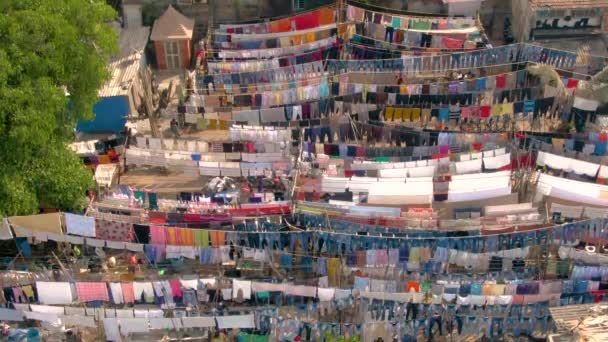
[161,62]
[185,53]
[549,23]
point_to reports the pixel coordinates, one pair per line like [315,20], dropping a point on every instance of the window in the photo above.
[298,4]
[172,55]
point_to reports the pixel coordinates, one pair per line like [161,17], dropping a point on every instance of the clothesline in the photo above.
[328,77]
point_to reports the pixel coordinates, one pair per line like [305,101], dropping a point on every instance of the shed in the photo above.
[172,36]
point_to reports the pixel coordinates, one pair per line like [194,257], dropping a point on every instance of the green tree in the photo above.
[48,48]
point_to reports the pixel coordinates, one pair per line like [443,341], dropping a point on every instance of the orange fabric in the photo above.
[284,25]
[171,236]
[297,39]
[273,27]
[310,37]
[413,285]
[217,238]
[104,159]
[187,237]
[326,16]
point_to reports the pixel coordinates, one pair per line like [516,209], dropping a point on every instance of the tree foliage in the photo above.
[48,47]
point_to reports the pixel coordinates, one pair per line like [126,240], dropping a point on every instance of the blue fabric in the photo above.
[444,114]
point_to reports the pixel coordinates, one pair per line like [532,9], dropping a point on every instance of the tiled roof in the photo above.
[569,4]
[172,25]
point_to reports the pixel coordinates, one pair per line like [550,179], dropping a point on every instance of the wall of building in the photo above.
[161,62]
[185,53]
[559,23]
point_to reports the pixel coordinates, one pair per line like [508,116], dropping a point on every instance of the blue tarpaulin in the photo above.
[110,116]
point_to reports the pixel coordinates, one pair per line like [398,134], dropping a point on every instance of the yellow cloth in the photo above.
[558,142]
[507,108]
[50,223]
[416,114]
[496,109]
[388,113]
[499,289]
[403,89]
[398,114]
[29,292]
[333,271]
[407,114]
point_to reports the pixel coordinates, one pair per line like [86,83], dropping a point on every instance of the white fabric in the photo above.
[400,193]
[334,184]
[301,290]
[475,195]
[96,242]
[124,313]
[189,284]
[134,247]
[509,209]
[44,317]
[326,294]
[244,286]
[116,291]
[584,168]
[342,294]
[427,171]
[585,104]
[263,287]
[22,307]
[75,240]
[603,172]
[111,329]
[165,323]
[133,325]
[79,225]
[239,321]
[198,322]
[497,162]
[115,244]
[54,292]
[471,166]
[55,310]
[79,321]
[11,315]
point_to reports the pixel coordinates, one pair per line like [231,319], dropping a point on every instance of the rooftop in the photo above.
[569,4]
[172,25]
[125,66]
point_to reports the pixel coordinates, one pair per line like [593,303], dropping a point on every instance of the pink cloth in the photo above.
[176,288]
[452,43]
[127,293]
[157,235]
[88,292]
[381,257]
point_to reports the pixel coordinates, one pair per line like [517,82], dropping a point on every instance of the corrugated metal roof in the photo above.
[172,25]
[569,4]
[125,66]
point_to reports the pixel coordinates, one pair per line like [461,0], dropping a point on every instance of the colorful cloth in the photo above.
[88,292]
[114,231]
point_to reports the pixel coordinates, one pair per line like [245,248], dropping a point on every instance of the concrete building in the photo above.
[543,19]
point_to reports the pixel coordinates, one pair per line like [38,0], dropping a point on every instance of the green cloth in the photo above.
[420,24]
[382,159]
[425,286]
[262,295]
[201,237]
[201,123]
[244,337]
[152,200]
[396,22]
[140,195]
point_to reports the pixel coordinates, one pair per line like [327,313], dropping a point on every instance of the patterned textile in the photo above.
[114,231]
[88,292]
